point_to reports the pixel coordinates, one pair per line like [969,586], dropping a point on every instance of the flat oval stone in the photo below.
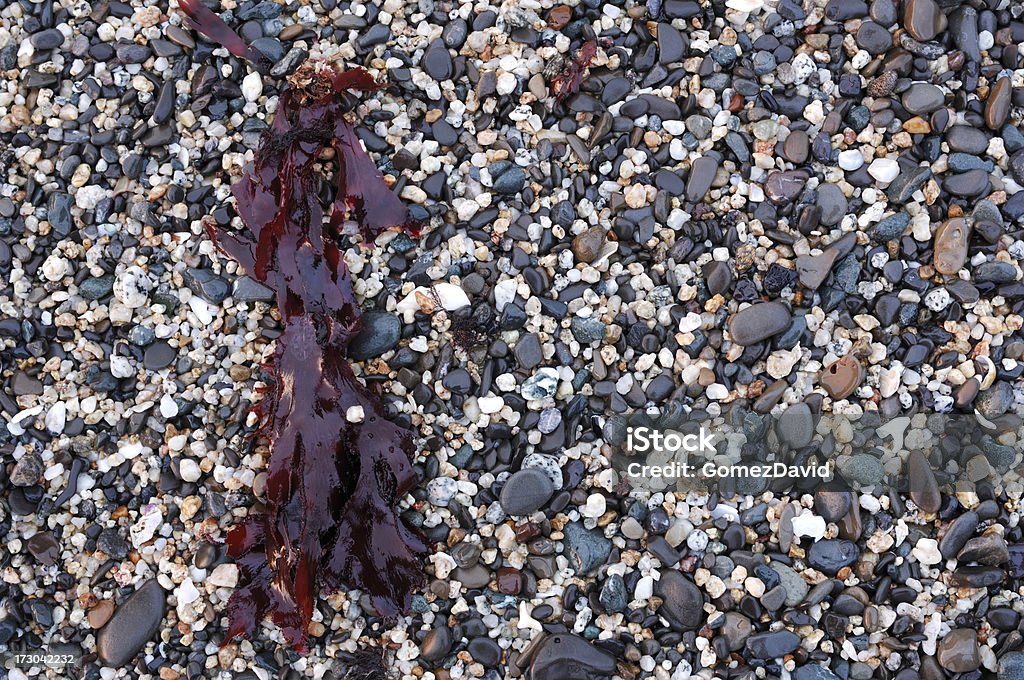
[759,322]
[670,44]
[526,491]
[875,39]
[797,147]
[967,139]
[923,19]
[968,184]
[997,108]
[924,490]
[133,625]
[832,202]
[922,98]
[951,242]
[702,174]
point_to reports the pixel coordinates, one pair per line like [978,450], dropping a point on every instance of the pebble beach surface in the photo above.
[750,208]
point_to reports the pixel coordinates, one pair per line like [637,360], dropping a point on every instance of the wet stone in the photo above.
[133,624]
[967,139]
[380,333]
[969,184]
[783,187]
[873,38]
[902,189]
[670,44]
[832,202]
[924,489]
[436,643]
[702,174]
[563,656]
[997,107]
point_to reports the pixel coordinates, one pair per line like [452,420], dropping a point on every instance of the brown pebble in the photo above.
[951,241]
[917,125]
[841,378]
[587,245]
[101,613]
[559,17]
[923,19]
[997,108]
[796,147]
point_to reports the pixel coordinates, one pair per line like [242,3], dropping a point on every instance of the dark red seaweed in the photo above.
[338,466]
[568,81]
[204,20]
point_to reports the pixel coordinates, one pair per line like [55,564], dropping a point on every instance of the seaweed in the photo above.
[338,466]
[568,80]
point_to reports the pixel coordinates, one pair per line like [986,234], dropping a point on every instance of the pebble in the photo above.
[526,491]
[759,322]
[133,624]
[957,652]
[951,243]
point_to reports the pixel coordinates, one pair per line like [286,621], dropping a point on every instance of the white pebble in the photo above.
[252,87]
[884,169]
[851,159]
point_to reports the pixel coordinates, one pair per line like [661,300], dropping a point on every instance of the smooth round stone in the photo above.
[958,651]
[797,147]
[924,490]
[851,159]
[670,44]
[133,625]
[864,469]
[436,644]
[587,245]
[968,184]
[923,19]
[833,204]
[967,139]
[951,243]
[759,322]
[682,601]
[526,491]
[736,629]
[922,98]
[380,332]
[997,107]
[158,355]
[873,38]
